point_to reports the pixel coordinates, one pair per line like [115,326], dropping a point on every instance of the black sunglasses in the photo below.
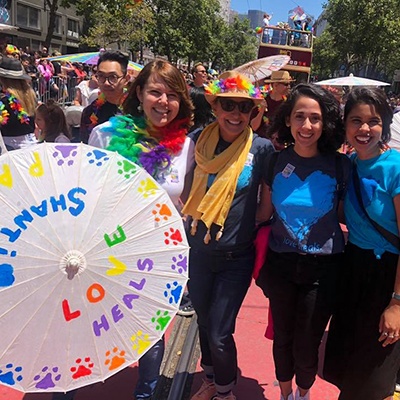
[243,106]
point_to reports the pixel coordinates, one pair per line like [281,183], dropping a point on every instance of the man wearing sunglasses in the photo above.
[202,110]
[112,78]
[280,85]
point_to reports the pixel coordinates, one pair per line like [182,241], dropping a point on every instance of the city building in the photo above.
[225,9]
[32,19]
[255,17]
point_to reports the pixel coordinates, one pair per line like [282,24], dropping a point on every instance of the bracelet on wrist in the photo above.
[396,296]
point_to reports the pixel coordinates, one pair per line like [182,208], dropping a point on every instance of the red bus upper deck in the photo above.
[297,44]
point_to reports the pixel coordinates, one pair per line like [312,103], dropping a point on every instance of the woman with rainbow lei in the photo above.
[152,133]
[222,208]
[17,105]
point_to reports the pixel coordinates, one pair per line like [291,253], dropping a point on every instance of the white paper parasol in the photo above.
[351,80]
[93,261]
[263,67]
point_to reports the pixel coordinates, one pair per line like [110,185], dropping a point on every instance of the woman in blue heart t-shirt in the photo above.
[303,192]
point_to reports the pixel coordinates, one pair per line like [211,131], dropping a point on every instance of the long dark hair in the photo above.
[332,136]
[377,98]
[172,77]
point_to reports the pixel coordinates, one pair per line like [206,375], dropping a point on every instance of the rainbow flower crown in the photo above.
[233,84]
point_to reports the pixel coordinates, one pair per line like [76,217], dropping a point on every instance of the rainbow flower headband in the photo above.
[233,84]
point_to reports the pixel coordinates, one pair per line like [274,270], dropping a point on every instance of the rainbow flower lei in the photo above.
[233,84]
[98,103]
[131,139]
[16,107]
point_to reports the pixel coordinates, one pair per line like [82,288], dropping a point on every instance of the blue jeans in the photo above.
[149,372]
[218,284]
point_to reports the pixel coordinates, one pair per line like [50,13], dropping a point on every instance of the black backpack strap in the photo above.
[340,182]
[271,167]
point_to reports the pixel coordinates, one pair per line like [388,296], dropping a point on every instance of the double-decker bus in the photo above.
[297,44]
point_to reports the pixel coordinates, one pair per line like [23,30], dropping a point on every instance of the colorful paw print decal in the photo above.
[126,168]
[173,236]
[161,213]
[140,341]
[180,263]
[47,378]
[161,320]
[10,375]
[82,368]
[97,157]
[173,292]
[148,188]
[65,155]
[114,358]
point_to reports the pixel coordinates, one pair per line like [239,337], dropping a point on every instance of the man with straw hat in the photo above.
[280,84]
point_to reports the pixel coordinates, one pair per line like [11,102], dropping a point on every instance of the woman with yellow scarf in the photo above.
[222,206]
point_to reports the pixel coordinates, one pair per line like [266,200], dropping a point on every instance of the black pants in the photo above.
[301,290]
[354,359]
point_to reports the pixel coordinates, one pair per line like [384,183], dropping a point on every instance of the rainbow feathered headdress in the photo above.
[232,84]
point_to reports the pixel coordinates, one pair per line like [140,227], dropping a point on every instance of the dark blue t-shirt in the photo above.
[240,222]
[305,198]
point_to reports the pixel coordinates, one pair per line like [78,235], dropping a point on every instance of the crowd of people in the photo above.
[232,158]
[49,79]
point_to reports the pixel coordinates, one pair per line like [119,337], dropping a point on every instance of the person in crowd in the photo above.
[112,78]
[363,349]
[266,35]
[202,109]
[280,85]
[29,65]
[51,125]
[79,72]
[88,90]
[46,70]
[221,209]
[17,105]
[297,35]
[302,191]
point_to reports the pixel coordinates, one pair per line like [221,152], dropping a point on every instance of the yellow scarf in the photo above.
[213,206]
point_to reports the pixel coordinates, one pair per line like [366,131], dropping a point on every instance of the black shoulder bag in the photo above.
[389,236]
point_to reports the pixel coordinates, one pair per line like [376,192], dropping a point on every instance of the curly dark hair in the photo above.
[376,97]
[172,77]
[332,136]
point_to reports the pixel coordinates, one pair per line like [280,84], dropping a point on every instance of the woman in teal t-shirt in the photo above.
[363,350]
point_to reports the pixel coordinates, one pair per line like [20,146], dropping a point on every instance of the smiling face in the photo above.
[160,103]
[364,130]
[232,123]
[306,125]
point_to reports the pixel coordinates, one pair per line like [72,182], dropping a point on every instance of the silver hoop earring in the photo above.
[140,108]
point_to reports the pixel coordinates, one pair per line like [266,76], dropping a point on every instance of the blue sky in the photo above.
[278,8]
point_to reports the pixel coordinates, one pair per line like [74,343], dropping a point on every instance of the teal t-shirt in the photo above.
[379,184]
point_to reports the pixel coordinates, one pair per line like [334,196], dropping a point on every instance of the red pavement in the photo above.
[257,376]
[256,380]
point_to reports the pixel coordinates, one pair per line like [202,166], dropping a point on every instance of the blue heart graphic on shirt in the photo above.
[301,204]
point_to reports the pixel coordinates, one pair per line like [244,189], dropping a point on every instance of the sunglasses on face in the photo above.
[243,106]
[284,84]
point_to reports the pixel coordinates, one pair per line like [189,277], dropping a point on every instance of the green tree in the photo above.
[362,35]
[52,6]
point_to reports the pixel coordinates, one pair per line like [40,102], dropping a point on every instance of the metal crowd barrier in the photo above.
[62,90]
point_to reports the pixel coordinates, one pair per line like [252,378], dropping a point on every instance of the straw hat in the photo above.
[12,68]
[279,76]
[233,84]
